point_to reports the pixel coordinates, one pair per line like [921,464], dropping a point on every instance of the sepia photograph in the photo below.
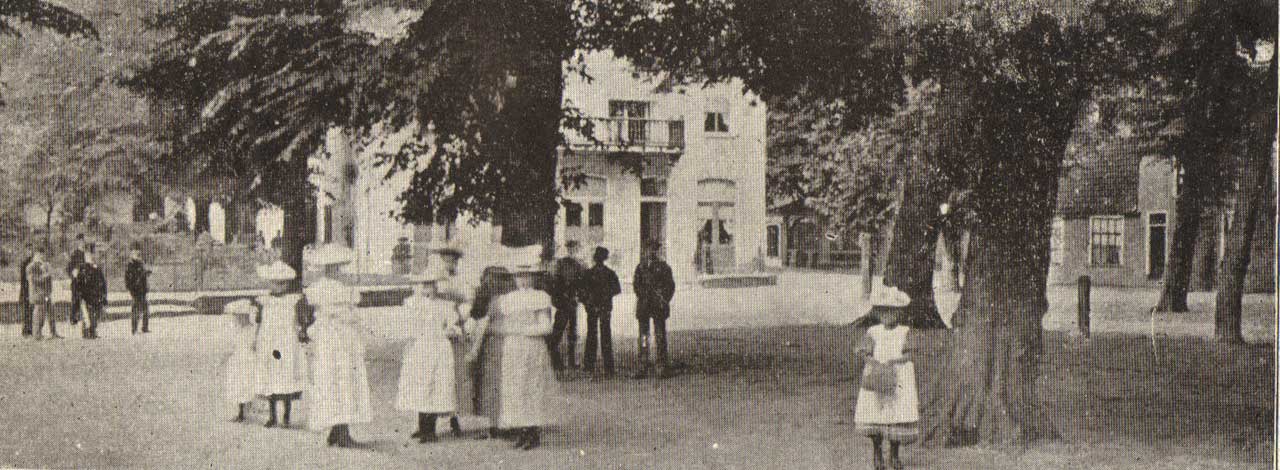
[638,234]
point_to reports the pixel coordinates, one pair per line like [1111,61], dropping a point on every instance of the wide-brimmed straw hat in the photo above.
[429,275]
[327,291]
[240,307]
[885,296]
[277,271]
[328,255]
[447,247]
[525,260]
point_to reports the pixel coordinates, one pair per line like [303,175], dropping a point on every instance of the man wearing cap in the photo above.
[135,279]
[74,260]
[654,286]
[596,291]
[92,285]
[564,295]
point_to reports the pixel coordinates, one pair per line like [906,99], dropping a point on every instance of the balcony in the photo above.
[630,135]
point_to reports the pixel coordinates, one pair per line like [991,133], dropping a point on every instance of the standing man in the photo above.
[24,292]
[40,277]
[135,279]
[92,285]
[654,286]
[596,291]
[73,269]
[564,296]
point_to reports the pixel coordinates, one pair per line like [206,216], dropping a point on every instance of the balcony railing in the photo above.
[630,135]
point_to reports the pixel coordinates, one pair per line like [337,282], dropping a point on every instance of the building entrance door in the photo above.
[653,225]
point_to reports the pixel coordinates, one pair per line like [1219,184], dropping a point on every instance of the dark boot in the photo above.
[333,436]
[344,437]
[894,461]
[533,438]
[429,430]
[288,406]
[271,422]
[240,415]
[455,426]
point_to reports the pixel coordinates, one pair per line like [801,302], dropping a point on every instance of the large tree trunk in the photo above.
[1189,209]
[953,241]
[986,392]
[1255,176]
[298,225]
[912,252]
[530,129]
[201,224]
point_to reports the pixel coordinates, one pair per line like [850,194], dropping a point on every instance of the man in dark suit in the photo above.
[596,290]
[92,285]
[564,296]
[24,292]
[135,279]
[74,260]
[654,287]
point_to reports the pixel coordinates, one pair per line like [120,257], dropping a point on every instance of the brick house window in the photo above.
[595,214]
[573,214]
[1057,238]
[1106,240]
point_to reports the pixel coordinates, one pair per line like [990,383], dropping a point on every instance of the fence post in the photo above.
[1082,313]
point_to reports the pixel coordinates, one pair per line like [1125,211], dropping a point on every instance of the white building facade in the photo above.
[700,191]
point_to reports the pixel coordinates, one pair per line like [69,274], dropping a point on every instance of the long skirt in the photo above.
[427,377]
[464,378]
[518,385]
[242,376]
[340,388]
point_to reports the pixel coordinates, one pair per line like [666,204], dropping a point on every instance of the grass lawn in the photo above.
[774,397]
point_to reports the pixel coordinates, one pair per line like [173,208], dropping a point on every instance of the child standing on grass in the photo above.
[242,366]
[888,406]
[427,371]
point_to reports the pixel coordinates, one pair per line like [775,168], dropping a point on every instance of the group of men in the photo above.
[594,288]
[88,290]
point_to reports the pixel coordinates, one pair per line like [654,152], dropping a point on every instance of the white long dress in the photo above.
[281,359]
[242,367]
[340,381]
[519,385]
[427,371]
[892,415]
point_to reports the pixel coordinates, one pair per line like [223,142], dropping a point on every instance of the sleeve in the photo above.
[615,287]
[866,346]
[668,284]
[637,280]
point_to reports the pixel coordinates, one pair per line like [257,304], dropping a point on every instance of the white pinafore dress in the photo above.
[427,372]
[890,415]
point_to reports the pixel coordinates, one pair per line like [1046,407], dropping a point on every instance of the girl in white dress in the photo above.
[890,410]
[282,364]
[519,383]
[427,372]
[340,380]
[242,369]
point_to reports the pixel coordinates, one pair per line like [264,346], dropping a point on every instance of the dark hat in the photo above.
[79,236]
[571,244]
[600,254]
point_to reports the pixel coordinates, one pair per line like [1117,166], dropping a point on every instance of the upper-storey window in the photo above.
[717,116]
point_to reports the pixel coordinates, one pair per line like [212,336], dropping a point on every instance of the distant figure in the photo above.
[564,295]
[92,285]
[242,366]
[654,286]
[74,260]
[888,406]
[40,277]
[135,279]
[402,256]
[596,290]
[24,291]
